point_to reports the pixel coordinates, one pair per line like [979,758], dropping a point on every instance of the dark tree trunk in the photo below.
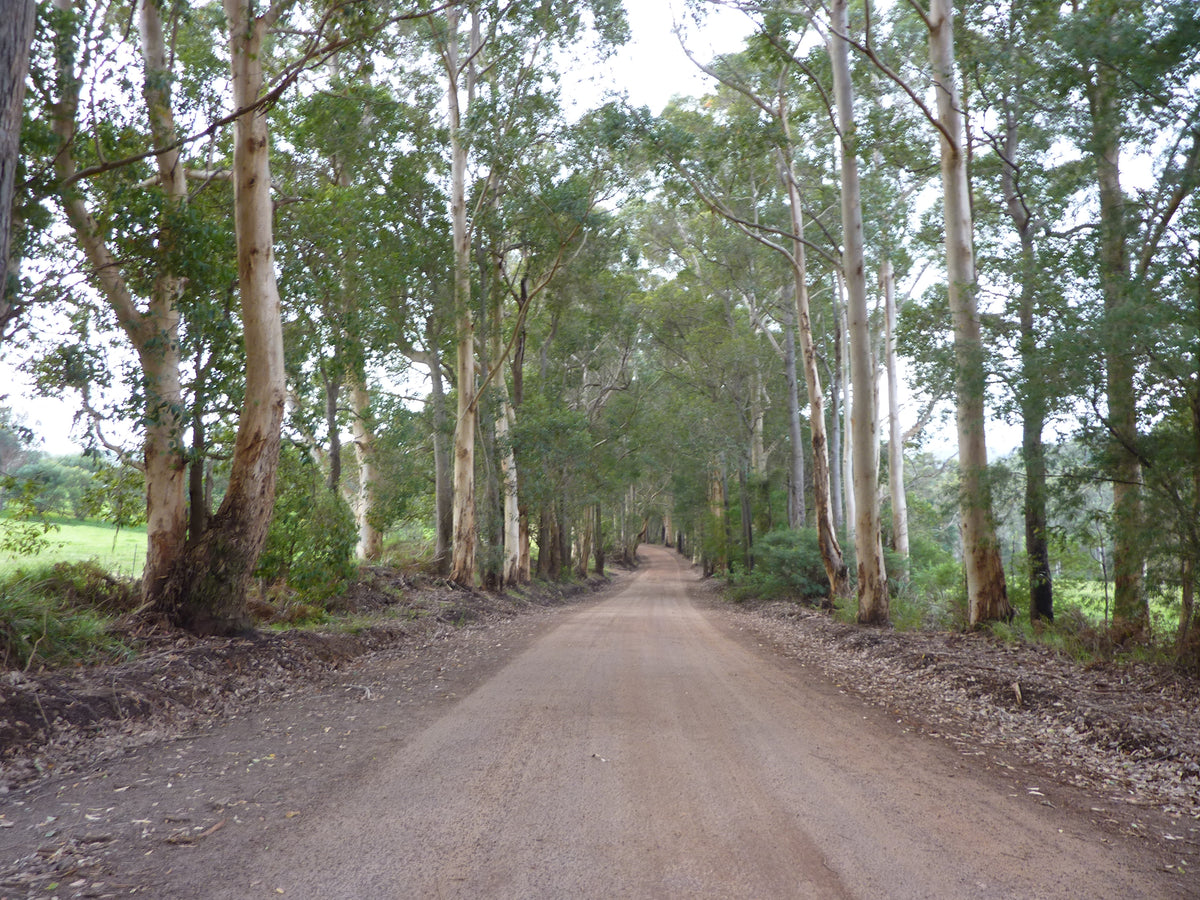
[198,496]
[598,538]
[333,388]
[747,518]
[443,485]
[16,35]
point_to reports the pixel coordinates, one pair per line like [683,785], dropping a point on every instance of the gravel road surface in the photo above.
[640,746]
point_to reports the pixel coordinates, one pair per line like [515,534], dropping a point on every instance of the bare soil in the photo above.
[648,741]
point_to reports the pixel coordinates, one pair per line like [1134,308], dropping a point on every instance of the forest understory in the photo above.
[1122,741]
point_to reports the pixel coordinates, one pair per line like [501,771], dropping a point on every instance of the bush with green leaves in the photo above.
[24,528]
[310,544]
[787,565]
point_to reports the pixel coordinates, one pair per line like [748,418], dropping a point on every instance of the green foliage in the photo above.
[787,566]
[58,615]
[24,529]
[117,495]
[310,544]
[934,596]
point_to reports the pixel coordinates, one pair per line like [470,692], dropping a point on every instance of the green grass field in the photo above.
[122,553]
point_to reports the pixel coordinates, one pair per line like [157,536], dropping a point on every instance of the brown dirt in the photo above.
[646,743]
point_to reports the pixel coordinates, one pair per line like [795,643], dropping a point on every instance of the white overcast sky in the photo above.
[653,68]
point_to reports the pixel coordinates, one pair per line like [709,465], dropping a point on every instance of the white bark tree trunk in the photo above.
[505,422]
[462,564]
[831,550]
[154,334]
[207,589]
[872,578]
[986,589]
[796,511]
[899,496]
[370,538]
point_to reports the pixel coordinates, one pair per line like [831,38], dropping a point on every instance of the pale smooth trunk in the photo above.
[207,589]
[443,484]
[827,540]
[370,538]
[986,590]
[153,334]
[848,400]
[896,489]
[505,423]
[796,511]
[872,577]
[462,566]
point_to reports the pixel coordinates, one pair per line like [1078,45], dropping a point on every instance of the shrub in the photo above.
[310,543]
[787,565]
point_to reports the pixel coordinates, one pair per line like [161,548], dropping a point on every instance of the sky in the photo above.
[653,68]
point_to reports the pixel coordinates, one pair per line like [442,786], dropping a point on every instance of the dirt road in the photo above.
[636,747]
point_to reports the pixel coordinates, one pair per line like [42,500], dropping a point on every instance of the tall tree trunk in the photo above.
[827,539]
[443,484]
[796,510]
[525,573]
[1130,606]
[1032,393]
[206,590]
[598,539]
[986,589]
[153,334]
[462,567]
[370,538]
[848,400]
[896,488]
[505,423]
[836,404]
[16,36]
[872,577]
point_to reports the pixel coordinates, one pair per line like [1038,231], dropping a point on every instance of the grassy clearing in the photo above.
[120,553]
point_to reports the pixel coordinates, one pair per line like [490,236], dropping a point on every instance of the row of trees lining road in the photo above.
[550,336]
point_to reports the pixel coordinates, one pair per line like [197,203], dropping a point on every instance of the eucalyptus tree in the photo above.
[81,43]
[360,151]
[872,579]
[767,79]
[494,57]
[1146,103]
[196,580]
[1020,192]
[987,593]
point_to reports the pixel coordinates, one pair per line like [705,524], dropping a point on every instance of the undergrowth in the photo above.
[61,614]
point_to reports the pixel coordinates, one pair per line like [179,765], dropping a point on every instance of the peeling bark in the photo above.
[206,588]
